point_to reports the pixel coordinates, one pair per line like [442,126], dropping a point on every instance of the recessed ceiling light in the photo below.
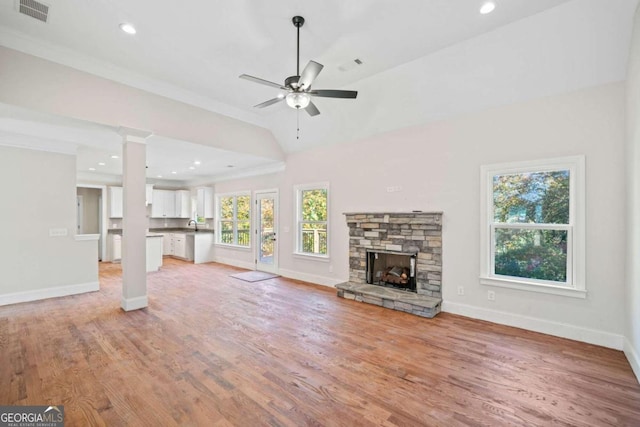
[192,167]
[127,28]
[101,164]
[197,162]
[92,169]
[115,156]
[159,176]
[174,172]
[487,7]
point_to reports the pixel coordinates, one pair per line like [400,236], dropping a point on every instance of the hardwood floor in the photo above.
[211,350]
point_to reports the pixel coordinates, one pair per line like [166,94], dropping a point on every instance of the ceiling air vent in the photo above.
[34,9]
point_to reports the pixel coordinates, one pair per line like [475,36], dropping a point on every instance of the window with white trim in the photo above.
[234,219]
[533,226]
[312,215]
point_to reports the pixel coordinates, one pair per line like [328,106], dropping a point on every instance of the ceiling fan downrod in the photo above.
[298,21]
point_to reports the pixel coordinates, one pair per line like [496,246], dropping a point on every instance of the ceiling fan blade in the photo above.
[269,102]
[309,74]
[261,81]
[312,109]
[330,93]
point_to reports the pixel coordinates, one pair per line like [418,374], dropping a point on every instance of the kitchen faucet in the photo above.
[194,223]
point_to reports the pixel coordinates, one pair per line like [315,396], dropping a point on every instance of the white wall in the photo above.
[91,209]
[39,193]
[438,167]
[632,332]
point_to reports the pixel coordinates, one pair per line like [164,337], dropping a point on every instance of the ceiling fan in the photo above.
[299,86]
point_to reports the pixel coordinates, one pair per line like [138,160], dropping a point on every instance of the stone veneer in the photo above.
[413,232]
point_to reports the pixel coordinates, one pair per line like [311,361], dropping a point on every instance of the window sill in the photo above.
[234,247]
[539,288]
[312,257]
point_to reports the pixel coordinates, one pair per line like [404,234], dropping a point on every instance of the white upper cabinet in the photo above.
[171,204]
[183,204]
[116,204]
[149,194]
[205,202]
[163,204]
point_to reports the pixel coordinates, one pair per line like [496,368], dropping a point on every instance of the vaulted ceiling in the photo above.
[422,60]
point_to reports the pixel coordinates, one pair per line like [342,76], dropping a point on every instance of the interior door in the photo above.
[267,231]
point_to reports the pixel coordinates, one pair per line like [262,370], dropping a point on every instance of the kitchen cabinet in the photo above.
[205,202]
[116,197]
[177,245]
[167,244]
[154,252]
[163,204]
[180,245]
[183,204]
[116,248]
[116,204]
[171,204]
[202,244]
[148,194]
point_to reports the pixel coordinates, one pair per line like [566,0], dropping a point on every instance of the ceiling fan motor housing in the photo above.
[292,82]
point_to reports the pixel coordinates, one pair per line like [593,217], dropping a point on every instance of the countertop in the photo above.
[160,231]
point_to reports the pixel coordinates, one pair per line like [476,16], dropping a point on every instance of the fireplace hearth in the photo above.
[395,261]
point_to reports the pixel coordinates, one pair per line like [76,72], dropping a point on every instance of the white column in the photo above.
[134,220]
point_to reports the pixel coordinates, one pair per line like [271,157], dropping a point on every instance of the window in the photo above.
[533,226]
[234,219]
[312,219]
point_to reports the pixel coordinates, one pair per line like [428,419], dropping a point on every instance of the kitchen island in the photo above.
[188,244]
[154,249]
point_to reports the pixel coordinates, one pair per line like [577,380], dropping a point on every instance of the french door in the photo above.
[267,231]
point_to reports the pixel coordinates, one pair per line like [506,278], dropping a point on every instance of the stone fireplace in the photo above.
[395,261]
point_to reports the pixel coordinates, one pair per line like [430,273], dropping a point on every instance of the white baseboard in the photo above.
[130,304]
[563,330]
[633,358]
[234,262]
[53,292]
[291,274]
[311,278]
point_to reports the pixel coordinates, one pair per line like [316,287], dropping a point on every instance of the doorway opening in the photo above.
[267,231]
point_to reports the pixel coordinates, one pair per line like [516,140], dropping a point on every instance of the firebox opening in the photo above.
[392,269]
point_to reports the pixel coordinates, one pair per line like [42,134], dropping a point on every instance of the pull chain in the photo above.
[298,123]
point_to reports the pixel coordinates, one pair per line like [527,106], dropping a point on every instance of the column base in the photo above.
[134,303]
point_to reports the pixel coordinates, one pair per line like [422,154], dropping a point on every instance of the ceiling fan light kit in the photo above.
[298,100]
[299,86]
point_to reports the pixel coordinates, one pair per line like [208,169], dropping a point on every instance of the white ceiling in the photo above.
[423,60]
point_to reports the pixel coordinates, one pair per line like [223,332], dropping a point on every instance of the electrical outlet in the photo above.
[491,295]
[460,290]
[330,268]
